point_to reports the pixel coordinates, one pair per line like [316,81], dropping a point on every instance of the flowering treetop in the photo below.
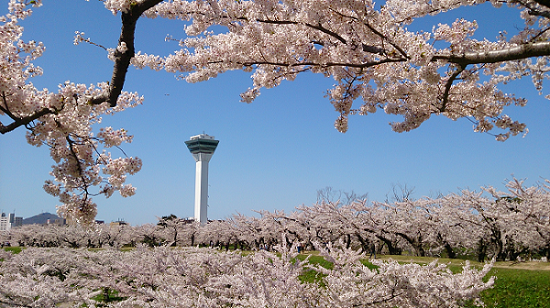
[368,50]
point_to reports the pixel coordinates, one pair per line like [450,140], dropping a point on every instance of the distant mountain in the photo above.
[40,219]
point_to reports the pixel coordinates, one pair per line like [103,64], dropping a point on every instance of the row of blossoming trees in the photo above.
[154,274]
[487,224]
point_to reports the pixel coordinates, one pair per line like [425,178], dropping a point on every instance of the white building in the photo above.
[9,221]
[202,148]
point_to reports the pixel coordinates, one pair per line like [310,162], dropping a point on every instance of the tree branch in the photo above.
[122,59]
[373,49]
[19,121]
[524,51]
[448,86]
[79,168]
[545,3]
[289,22]
[324,65]
[24,120]
[385,38]
[120,69]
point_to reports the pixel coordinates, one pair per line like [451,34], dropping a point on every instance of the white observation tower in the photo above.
[202,147]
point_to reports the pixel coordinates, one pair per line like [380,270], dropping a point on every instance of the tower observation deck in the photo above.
[202,144]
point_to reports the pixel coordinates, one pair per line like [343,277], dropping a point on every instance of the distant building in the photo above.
[9,221]
[117,223]
[57,222]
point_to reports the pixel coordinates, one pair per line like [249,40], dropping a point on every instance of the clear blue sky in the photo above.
[274,153]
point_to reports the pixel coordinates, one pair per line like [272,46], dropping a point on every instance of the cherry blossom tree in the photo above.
[147,234]
[63,122]
[450,226]
[172,226]
[512,223]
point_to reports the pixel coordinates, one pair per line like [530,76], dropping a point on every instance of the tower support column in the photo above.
[201,186]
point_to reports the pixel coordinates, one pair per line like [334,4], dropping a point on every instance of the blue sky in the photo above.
[275,153]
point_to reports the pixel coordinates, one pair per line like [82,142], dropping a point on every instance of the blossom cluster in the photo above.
[116,6]
[202,277]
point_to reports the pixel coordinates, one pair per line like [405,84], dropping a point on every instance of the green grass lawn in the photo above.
[518,288]
[14,249]
[514,287]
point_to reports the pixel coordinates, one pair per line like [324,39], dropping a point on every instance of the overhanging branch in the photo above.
[524,51]
[120,69]
[24,120]
[122,59]
[319,64]
[545,3]
[19,121]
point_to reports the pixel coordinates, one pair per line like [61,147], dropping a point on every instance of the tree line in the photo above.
[485,224]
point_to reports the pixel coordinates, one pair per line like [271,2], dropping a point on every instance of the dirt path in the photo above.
[526,265]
